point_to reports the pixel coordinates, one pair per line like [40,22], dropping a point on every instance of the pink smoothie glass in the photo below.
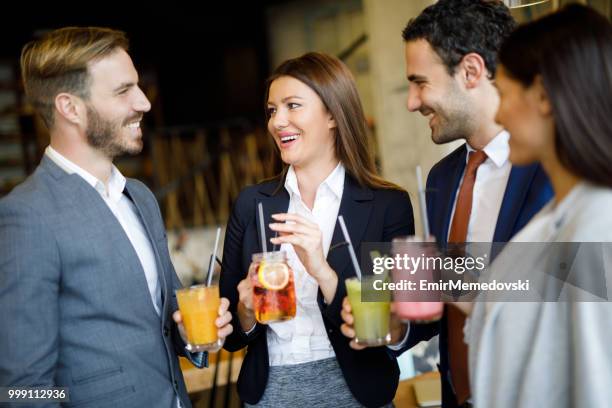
[415,305]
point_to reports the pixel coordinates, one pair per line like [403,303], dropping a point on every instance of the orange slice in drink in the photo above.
[273,276]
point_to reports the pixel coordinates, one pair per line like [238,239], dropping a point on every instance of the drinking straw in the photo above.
[213,257]
[350,247]
[262,228]
[275,245]
[422,204]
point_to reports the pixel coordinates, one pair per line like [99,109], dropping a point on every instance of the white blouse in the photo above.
[548,354]
[304,338]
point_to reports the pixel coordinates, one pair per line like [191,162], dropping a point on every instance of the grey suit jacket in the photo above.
[75,309]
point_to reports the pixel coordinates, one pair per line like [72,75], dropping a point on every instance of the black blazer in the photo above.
[372,215]
[527,191]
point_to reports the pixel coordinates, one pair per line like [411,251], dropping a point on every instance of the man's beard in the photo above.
[105,135]
[455,121]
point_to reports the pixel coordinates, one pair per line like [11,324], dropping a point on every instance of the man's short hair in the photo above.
[455,28]
[58,61]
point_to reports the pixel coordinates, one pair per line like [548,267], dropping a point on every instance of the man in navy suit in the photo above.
[450,52]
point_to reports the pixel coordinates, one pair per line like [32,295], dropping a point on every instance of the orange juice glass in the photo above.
[199,306]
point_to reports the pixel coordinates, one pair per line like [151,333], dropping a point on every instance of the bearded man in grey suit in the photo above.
[86,282]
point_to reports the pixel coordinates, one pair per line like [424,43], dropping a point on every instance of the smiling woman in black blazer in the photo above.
[317,122]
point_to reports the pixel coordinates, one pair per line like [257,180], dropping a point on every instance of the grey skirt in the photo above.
[315,384]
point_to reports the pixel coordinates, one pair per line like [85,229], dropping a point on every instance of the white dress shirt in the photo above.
[123,209]
[304,338]
[489,188]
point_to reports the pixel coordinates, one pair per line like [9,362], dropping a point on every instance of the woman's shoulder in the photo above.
[391,195]
[249,195]
[591,218]
[265,188]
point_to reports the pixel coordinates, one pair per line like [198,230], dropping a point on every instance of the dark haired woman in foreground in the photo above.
[555,83]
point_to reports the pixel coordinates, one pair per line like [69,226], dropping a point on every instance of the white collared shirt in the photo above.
[489,188]
[304,338]
[123,209]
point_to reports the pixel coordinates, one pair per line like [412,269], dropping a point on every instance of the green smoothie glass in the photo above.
[372,317]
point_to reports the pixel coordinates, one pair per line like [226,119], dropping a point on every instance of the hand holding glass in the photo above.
[199,307]
[371,318]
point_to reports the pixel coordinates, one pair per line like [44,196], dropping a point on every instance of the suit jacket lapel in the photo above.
[448,193]
[90,208]
[514,197]
[146,217]
[355,207]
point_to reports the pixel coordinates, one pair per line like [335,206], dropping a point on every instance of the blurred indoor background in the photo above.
[204,71]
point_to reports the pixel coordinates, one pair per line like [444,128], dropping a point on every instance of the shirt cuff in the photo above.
[251,329]
[398,346]
[198,359]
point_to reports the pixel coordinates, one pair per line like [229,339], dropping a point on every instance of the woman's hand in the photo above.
[306,238]
[246,315]
[396,327]
[347,328]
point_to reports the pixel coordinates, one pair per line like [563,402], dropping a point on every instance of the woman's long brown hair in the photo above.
[571,50]
[334,84]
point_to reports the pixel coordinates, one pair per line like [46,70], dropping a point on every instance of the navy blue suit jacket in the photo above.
[527,191]
[372,215]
